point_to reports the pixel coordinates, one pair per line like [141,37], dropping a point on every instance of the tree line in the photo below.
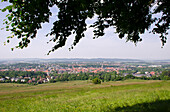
[31,74]
[103,76]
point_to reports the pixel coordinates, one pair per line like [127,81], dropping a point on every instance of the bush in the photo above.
[166,78]
[96,81]
[52,81]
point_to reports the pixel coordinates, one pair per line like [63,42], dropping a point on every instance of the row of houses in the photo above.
[138,74]
[27,79]
[61,70]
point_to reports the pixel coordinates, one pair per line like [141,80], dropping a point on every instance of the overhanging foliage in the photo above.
[130,18]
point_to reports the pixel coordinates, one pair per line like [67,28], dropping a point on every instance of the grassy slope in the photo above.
[130,95]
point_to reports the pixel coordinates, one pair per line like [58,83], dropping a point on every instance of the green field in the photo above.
[83,96]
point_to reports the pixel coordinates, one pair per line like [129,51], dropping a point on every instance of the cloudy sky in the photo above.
[108,46]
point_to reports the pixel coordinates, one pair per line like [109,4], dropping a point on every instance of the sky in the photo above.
[108,46]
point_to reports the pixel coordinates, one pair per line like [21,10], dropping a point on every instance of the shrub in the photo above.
[166,78]
[96,81]
[52,81]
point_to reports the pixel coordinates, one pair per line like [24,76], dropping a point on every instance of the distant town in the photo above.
[37,72]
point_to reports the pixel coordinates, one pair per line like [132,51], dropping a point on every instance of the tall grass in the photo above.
[83,96]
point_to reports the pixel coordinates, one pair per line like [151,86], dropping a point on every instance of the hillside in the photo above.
[83,96]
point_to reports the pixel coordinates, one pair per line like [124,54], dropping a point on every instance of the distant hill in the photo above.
[39,60]
[69,60]
[167,60]
[95,60]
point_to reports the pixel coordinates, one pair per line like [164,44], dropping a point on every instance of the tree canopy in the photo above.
[130,18]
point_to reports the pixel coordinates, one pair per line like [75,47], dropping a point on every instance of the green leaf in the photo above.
[12,36]
[9,18]
[7,15]
[13,24]
[9,37]
[8,41]
[12,49]
[4,9]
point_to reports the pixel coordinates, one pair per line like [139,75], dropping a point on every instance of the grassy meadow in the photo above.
[83,96]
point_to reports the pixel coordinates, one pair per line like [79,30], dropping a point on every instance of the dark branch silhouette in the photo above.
[130,18]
